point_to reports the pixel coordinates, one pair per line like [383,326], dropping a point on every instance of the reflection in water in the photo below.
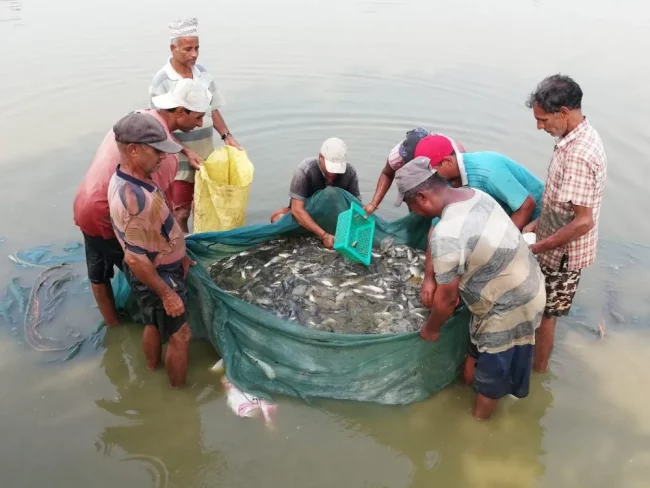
[160,427]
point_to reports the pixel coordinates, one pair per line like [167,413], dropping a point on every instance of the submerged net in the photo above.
[265,355]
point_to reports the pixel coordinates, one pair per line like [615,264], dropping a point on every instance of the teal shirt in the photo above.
[508,182]
[505,180]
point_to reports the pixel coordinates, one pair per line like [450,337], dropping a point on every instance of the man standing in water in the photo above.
[180,110]
[567,229]
[330,168]
[182,64]
[155,263]
[478,253]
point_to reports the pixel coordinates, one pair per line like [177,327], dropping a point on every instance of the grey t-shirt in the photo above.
[308,179]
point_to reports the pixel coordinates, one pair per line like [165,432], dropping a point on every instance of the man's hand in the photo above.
[231,141]
[535,248]
[328,240]
[187,263]
[428,288]
[530,227]
[428,335]
[370,208]
[173,304]
[193,158]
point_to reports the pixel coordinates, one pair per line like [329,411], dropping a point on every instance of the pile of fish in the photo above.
[299,280]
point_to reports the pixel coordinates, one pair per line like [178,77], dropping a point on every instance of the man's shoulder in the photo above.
[307,164]
[161,76]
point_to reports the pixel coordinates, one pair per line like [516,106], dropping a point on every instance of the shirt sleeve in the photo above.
[299,188]
[447,256]
[502,185]
[394,159]
[156,88]
[578,182]
[217,97]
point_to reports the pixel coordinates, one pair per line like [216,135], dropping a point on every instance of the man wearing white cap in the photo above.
[198,144]
[180,111]
[330,168]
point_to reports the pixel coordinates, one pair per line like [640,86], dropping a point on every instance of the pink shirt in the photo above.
[91,212]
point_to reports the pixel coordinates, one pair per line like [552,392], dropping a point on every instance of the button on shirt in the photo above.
[142,220]
[308,178]
[576,175]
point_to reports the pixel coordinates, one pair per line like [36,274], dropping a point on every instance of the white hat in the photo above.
[335,153]
[183,27]
[186,93]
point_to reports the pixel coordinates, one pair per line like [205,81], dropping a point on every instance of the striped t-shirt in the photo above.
[142,220]
[501,282]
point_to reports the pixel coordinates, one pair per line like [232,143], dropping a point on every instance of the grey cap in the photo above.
[143,128]
[411,175]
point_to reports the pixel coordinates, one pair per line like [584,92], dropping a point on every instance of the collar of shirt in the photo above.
[573,135]
[461,165]
[173,75]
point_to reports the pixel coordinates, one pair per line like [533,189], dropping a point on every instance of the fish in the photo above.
[298,280]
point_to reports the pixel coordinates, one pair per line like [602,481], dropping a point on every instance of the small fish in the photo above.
[374,289]
[327,283]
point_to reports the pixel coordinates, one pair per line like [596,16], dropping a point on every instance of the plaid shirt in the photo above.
[576,175]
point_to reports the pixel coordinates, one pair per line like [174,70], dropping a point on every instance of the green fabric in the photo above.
[264,355]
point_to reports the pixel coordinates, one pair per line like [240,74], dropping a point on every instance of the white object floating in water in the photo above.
[530,238]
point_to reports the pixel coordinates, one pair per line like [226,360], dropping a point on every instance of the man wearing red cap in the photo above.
[400,155]
[516,189]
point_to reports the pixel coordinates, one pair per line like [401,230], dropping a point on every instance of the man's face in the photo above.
[186,121]
[448,169]
[329,177]
[555,124]
[147,158]
[185,51]
[425,205]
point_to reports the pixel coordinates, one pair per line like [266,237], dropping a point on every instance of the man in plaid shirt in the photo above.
[567,228]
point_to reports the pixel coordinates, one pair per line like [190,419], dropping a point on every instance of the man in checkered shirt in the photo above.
[567,228]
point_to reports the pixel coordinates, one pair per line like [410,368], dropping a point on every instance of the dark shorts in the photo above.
[561,287]
[101,257]
[151,306]
[500,374]
[182,195]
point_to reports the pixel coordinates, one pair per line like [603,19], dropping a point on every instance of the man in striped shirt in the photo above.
[479,254]
[567,229]
[197,144]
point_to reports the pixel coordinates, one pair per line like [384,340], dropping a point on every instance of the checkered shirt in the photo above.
[576,175]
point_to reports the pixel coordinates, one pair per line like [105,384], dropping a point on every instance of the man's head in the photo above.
[333,158]
[184,39]
[413,137]
[442,157]
[143,142]
[421,188]
[555,102]
[187,103]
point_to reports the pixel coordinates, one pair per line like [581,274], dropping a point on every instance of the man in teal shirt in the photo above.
[516,189]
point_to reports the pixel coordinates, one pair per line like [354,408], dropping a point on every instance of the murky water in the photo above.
[295,73]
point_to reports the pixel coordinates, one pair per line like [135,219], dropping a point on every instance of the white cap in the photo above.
[335,153]
[186,93]
[183,27]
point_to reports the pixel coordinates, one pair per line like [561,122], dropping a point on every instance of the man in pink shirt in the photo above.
[182,109]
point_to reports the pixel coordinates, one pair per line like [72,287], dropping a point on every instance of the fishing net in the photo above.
[265,355]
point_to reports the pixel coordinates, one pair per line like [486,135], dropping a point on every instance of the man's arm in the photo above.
[304,219]
[522,216]
[383,185]
[220,126]
[444,303]
[503,185]
[582,223]
[145,271]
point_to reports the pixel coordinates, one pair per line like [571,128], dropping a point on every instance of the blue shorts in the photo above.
[500,374]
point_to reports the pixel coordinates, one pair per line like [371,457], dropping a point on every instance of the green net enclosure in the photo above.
[265,355]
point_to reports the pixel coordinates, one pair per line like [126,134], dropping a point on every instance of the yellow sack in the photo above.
[221,190]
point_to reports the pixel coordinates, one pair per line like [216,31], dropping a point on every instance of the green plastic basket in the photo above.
[354,235]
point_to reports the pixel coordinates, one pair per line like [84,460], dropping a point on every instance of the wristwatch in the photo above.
[223,136]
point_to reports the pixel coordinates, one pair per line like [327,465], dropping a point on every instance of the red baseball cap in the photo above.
[436,148]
